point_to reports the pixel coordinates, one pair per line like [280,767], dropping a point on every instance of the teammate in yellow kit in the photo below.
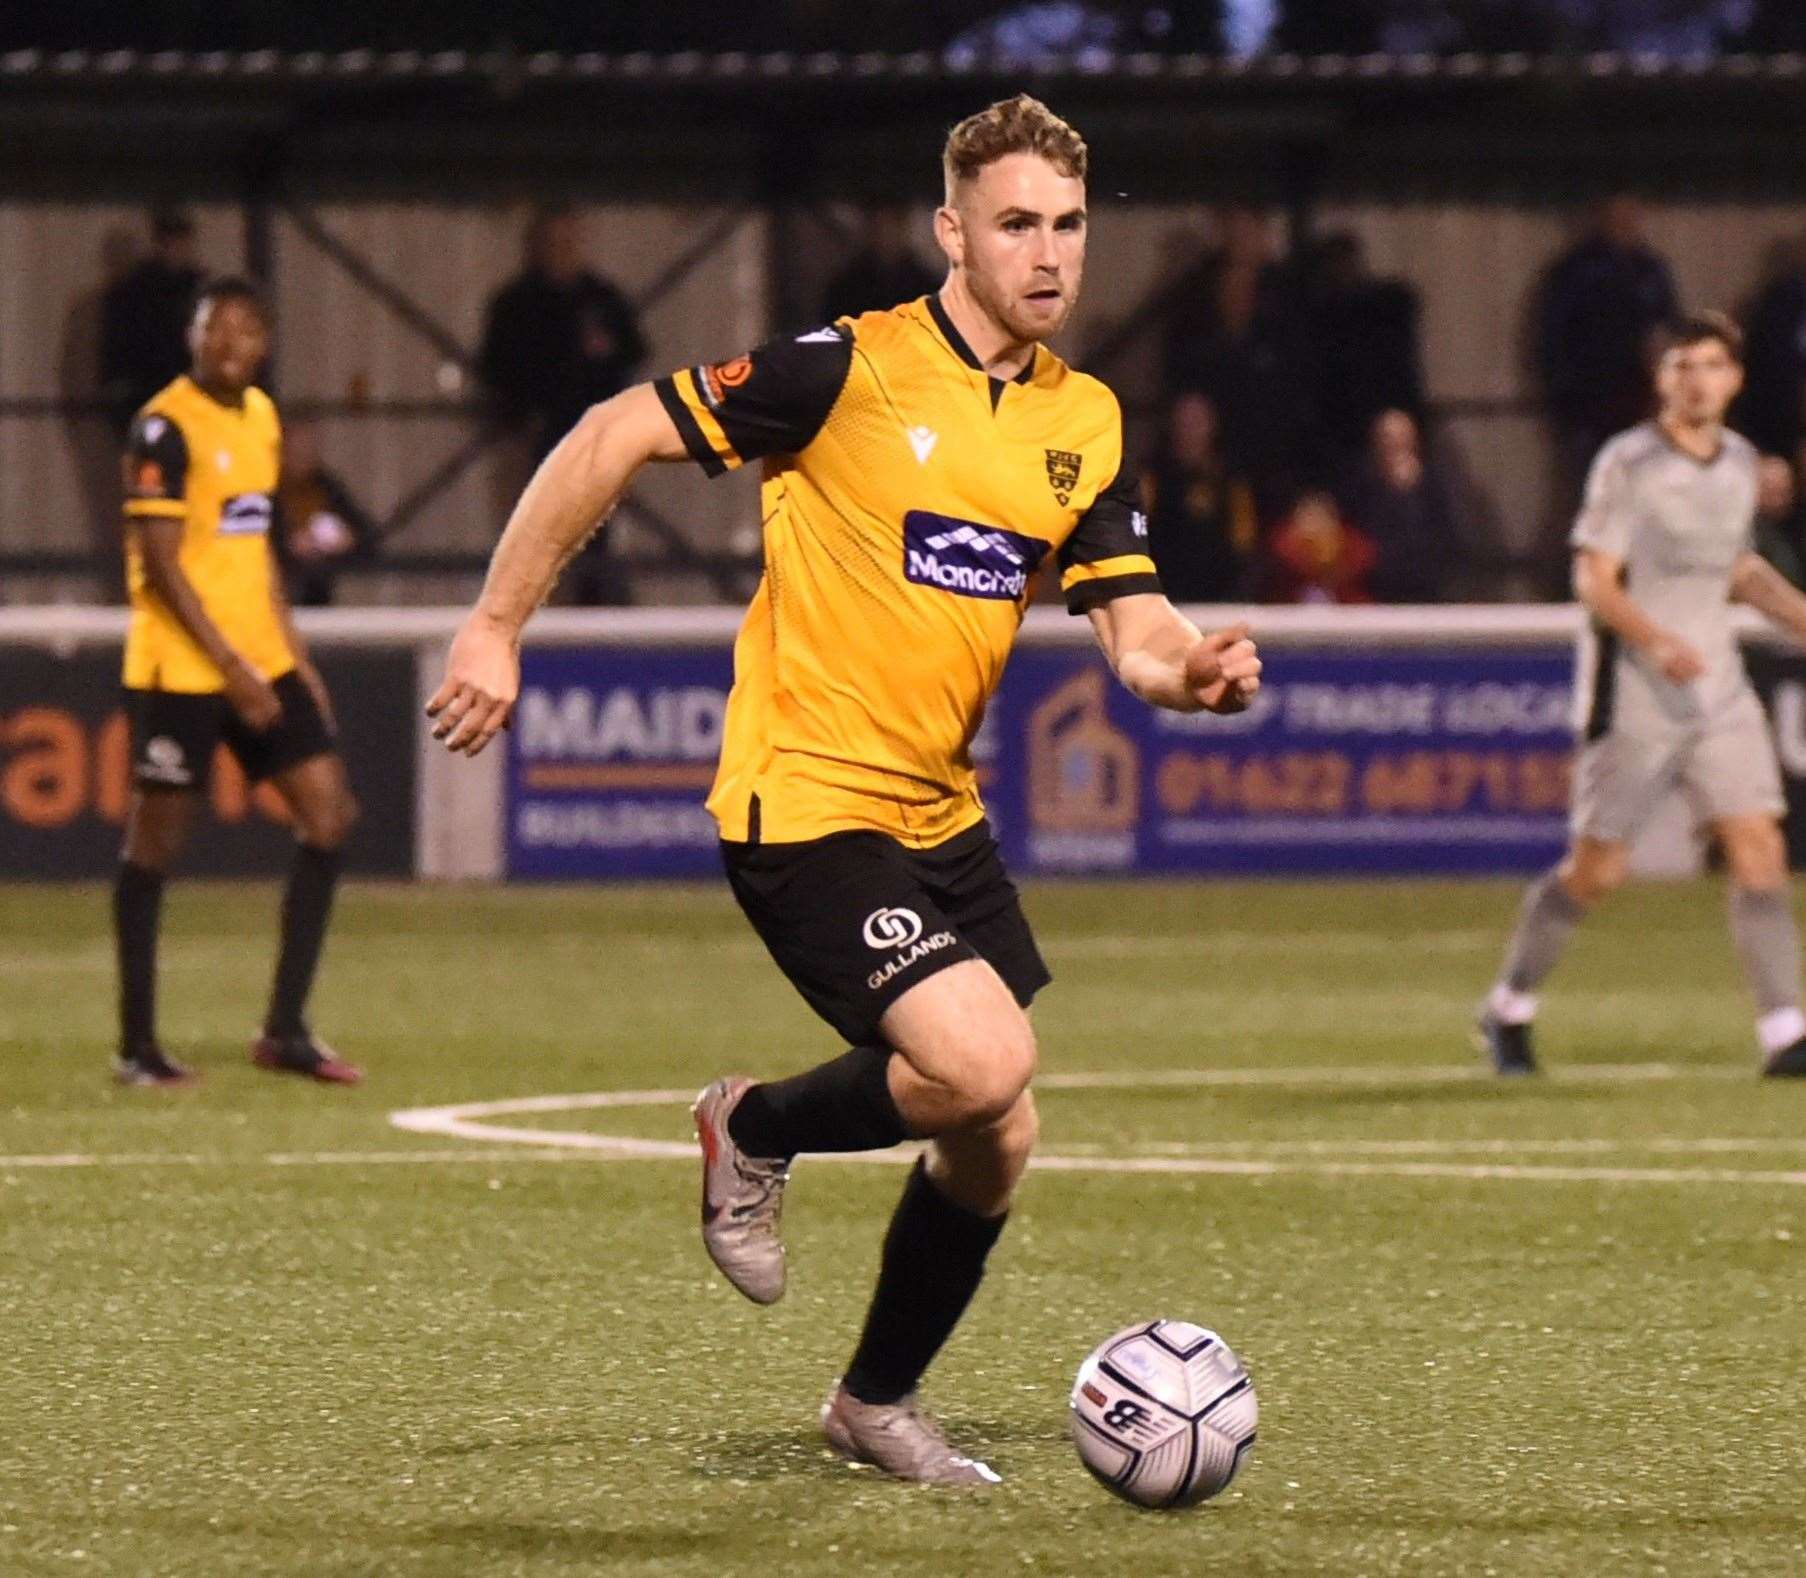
[919,466]
[211,657]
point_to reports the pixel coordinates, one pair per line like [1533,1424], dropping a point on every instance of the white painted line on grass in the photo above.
[1705,1146]
[468,1120]
[68,1160]
[506,1143]
[84,1159]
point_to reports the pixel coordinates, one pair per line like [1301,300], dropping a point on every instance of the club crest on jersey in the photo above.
[967,559]
[1063,472]
[715,381]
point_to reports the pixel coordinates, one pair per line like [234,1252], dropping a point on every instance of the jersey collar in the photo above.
[219,405]
[1702,461]
[964,352]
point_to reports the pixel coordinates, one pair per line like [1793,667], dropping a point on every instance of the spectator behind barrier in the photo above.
[94,440]
[1236,332]
[557,339]
[144,319]
[1404,502]
[1780,519]
[883,272]
[1771,412]
[1317,557]
[321,528]
[1363,339]
[1203,530]
[1599,307]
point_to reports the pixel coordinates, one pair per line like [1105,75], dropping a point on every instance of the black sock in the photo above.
[306,906]
[934,1259]
[843,1105]
[137,905]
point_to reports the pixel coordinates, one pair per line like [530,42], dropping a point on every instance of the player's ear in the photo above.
[949,233]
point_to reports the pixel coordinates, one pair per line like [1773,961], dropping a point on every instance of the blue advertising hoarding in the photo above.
[1407,761]
[1373,762]
[610,758]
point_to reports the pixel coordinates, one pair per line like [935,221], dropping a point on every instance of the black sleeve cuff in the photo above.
[1087,595]
[687,430]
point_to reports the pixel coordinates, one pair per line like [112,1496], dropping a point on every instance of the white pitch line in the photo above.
[466,1120]
[1493,1147]
[1251,1158]
[68,1160]
[1250,1168]
[1473,1073]
[83,1159]
[500,1143]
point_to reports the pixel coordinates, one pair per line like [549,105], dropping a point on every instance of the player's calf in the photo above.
[979,1168]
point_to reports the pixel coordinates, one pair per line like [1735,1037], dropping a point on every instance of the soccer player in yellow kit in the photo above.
[919,466]
[211,657]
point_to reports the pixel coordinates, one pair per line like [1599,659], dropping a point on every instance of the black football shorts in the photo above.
[856,919]
[174,734]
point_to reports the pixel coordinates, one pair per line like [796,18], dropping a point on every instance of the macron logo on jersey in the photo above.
[967,559]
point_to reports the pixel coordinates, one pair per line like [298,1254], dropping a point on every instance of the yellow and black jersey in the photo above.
[213,467]
[909,501]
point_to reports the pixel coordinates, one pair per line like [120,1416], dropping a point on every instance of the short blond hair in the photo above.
[1018,125]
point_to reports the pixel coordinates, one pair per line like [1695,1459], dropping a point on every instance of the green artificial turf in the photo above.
[1539,1328]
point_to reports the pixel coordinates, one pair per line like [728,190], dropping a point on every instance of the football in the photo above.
[1163,1414]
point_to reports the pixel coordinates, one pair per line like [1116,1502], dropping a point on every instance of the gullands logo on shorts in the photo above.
[967,559]
[899,928]
[892,928]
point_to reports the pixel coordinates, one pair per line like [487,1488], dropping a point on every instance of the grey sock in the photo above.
[1768,943]
[1546,921]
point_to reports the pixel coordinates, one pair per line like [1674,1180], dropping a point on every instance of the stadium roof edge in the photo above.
[210,68]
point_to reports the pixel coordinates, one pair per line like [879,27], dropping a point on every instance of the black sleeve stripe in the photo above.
[1087,595]
[156,460]
[784,397]
[1108,529]
[687,429]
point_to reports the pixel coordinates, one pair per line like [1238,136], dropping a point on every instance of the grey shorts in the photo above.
[1725,767]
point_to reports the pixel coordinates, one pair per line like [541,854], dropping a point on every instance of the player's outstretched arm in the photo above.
[569,497]
[1163,658]
[1764,588]
[1599,584]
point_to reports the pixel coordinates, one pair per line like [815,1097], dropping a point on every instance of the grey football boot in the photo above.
[900,1439]
[1510,1047]
[742,1197]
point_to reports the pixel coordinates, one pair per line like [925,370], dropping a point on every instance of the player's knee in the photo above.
[155,833]
[1017,1132]
[1756,858]
[350,814]
[998,1079]
[152,851]
[1592,875]
[328,824]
